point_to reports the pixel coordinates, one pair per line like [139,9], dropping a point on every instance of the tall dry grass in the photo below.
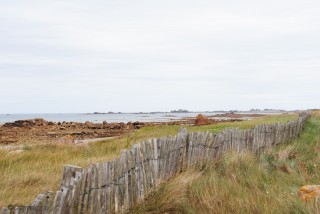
[246,183]
[35,169]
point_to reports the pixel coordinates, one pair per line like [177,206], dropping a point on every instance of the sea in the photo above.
[99,118]
[110,118]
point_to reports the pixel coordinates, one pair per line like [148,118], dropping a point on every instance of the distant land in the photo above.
[253,110]
[110,112]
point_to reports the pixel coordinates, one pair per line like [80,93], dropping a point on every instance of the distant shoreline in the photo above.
[123,117]
[162,112]
[39,129]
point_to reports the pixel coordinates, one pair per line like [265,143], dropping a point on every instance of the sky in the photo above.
[70,56]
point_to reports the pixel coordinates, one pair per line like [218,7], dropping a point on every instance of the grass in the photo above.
[246,183]
[37,168]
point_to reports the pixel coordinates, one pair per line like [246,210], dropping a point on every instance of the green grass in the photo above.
[246,183]
[38,168]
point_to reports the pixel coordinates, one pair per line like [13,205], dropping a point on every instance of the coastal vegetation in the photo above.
[33,169]
[246,183]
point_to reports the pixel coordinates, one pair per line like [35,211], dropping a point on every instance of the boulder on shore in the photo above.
[309,192]
[27,123]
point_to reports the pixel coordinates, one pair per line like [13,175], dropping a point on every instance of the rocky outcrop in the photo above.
[309,192]
[40,130]
[28,123]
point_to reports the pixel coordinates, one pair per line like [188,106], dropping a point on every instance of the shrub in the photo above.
[202,120]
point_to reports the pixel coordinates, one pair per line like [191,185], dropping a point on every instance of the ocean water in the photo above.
[98,118]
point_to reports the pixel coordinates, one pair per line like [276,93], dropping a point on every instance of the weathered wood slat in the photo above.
[111,207]
[96,188]
[90,188]
[104,193]
[116,178]
[63,201]
[132,179]
[83,198]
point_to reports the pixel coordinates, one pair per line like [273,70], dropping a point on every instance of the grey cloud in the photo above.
[158,55]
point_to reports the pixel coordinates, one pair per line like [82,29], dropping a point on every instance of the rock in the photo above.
[67,139]
[115,126]
[138,126]
[88,124]
[73,133]
[40,122]
[308,192]
[136,123]
[27,123]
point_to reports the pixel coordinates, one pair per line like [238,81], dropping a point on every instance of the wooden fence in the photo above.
[116,186]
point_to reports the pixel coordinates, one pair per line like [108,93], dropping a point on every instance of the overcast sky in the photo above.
[129,56]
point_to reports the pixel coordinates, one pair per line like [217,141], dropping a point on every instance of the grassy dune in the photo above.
[37,168]
[246,183]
